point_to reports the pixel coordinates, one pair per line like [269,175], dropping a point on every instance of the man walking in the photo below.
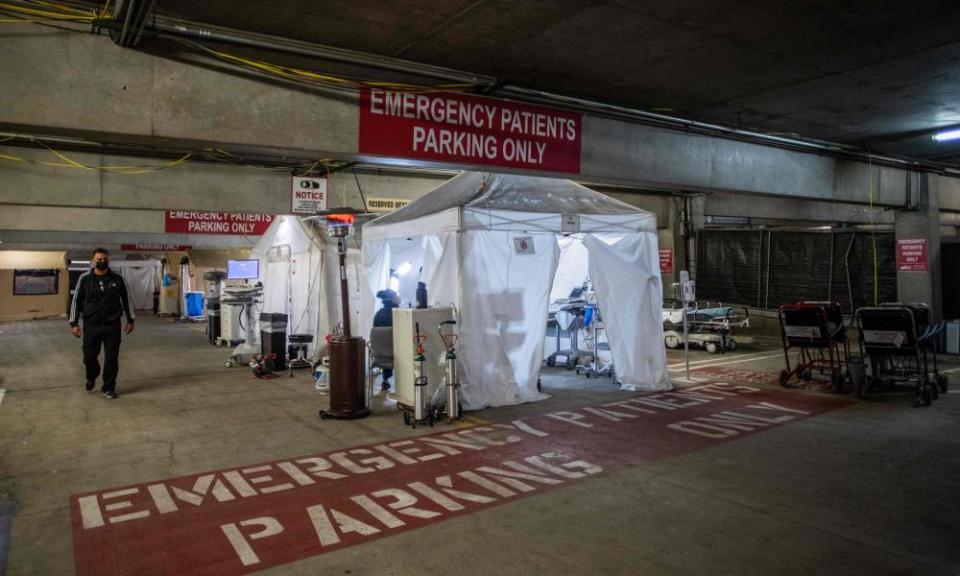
[100,299]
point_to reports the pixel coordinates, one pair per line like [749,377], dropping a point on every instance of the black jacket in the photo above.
[100,299]
[384,316]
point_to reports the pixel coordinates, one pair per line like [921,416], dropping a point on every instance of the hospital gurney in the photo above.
[815,330]
[900,342]
[710,328]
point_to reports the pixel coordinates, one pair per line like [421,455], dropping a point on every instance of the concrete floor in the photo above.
[867,489]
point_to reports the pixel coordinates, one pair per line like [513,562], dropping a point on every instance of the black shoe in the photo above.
[111,395]
[89,384]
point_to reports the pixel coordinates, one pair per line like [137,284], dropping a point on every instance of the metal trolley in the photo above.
[900,342]
[817,334]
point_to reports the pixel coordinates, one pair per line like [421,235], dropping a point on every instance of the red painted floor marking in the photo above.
[740,375]
[246,519]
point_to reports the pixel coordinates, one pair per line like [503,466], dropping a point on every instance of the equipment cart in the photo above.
[817,334]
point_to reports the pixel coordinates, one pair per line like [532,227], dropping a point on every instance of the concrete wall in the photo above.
[150,100]
[30,307]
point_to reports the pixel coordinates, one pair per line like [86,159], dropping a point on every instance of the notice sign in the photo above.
[154,247]
[308,195]
[666,261]
[570,223]
[229,223]
[912,255]
[523,245]
[469,129]
[385,204]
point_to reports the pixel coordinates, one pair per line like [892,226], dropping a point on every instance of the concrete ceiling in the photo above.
[881,74]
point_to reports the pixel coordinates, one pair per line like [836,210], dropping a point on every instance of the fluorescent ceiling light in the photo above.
[947,135]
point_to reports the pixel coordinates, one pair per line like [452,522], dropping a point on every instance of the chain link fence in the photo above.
[768,268]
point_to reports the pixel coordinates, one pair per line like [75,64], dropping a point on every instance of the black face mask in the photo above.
[102,265]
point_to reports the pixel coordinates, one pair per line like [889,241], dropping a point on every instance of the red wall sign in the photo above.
[154,247]
[666,261]
[912,255]
[229,223]
[471,129]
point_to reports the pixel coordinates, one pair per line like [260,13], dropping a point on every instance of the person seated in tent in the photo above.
[384,318]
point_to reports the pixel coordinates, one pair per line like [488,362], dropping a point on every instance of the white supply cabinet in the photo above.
[404,349]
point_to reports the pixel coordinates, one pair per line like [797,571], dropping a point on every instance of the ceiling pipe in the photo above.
[143,23]
[164,26]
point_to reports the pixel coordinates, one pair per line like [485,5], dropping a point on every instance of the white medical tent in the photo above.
[293,253]
[491,245]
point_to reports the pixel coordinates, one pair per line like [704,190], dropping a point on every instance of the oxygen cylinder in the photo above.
[453,387]
[419,380]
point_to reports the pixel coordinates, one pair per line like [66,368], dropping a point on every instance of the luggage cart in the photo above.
[817,332]
[929,334]
[900,343]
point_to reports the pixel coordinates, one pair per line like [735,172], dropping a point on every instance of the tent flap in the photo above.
[504,317]
[626,278]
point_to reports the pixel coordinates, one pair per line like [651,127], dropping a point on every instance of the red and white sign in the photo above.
[912,255]
[308,195]
[460,128]
[154,247]
[227,223]
[666,261]
[252,517]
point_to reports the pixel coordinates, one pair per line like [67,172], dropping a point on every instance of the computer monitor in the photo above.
[243,269]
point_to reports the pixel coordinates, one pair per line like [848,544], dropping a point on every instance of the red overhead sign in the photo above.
[450,127]
[912,255]
[154,247]
[666,261]
[228,223]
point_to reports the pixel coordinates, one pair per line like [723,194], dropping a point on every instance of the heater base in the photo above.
[348,379]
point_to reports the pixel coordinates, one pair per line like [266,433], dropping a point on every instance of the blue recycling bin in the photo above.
[194,304]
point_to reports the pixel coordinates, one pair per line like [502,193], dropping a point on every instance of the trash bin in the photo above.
[213,320]
[273,337]
[194,303]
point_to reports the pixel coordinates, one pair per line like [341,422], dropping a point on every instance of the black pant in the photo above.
[109,336]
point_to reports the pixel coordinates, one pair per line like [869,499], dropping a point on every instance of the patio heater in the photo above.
[347,376]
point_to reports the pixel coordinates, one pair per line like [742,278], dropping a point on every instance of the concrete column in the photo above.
[922,222]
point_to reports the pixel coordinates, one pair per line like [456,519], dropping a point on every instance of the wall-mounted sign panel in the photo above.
[666,261]
[226,223]
[154,247]
[912,255]
[308,195]
[460,128]
[385,204]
